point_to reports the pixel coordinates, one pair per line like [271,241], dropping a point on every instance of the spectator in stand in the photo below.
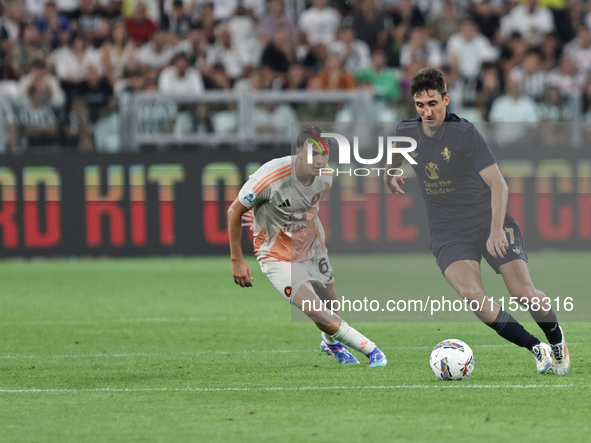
[333,76]
[551,51]
[12,19]
[244,40]
[92,22]
[157,53]
[180,78]
[532,79]
[468,49]
[195,47]
[223,9]
[445,22]
[354,52]
[488,88]
[421,47]
[222,52]
[95,91]
[139,27]
[217,79]
[514,106]
[579,49]
[39,73]
[552,106]
[54,27]
[71,61]
[278,55]
[369,24]
[567,77]
[513,53]
[315,59]
[78,129]
[132,81]
[177,22]
[485,16]
[206,22]
[33,122]
[296,77]
[276,17]
[118,52]
[28,49]
[532,20]
[380,77]
[406,16]
[319,23]
[106,130]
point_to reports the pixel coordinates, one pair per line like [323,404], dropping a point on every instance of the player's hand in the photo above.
[497,244]
[248,219]
[241,273]
[395,183]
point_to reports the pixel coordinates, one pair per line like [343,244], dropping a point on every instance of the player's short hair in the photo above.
[310,131]
[428,79]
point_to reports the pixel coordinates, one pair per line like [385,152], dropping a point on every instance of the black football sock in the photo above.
[508,328]
[549,325]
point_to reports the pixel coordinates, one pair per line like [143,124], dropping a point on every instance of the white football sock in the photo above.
[353,338]
[328,339]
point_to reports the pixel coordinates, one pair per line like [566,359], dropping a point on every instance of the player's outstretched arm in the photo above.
[394,183]
[497,243]
[240,269]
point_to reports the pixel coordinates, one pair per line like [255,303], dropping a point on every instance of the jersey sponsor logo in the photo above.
[249,197]
[446,154]
[285,204]
[315,199]
[432,171]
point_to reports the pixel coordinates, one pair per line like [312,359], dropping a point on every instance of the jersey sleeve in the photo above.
[479,153]
[327,179]
[258,188]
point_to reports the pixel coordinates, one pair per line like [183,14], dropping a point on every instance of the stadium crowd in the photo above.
[65,63]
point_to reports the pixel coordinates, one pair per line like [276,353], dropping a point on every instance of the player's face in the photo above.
[319,159]
[431,106]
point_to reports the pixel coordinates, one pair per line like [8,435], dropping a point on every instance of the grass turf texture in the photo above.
[130,345]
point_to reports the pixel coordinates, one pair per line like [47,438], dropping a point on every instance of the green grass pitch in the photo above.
[170,350]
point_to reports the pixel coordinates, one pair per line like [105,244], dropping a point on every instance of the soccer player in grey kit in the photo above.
[466,199]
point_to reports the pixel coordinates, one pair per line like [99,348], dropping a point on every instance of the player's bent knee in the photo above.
[471,293]
[525,292]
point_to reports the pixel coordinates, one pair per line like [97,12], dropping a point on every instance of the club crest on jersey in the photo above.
[287,291]
[315,199]
[432,171]
[249,197]
[446,154]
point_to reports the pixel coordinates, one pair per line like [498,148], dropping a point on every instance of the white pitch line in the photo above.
[269,351]
[303,388]
[112,320]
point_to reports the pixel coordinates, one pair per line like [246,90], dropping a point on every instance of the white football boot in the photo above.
[543,354]
[561,364]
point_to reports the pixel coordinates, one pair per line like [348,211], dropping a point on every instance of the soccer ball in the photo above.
[452,360]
